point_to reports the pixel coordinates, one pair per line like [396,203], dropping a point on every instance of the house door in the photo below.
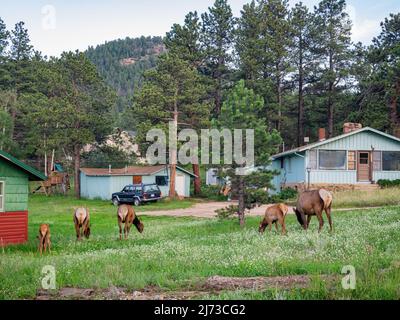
[364,166]
[180,185]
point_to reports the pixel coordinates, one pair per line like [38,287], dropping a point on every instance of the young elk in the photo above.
[274,214]
[313,203]
[44,238]
[82,223]
[126,214]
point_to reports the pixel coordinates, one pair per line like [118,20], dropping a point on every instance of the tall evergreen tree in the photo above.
[332,53]
[302,59]
[4,34]
[184,43]
[240,111]
[83,115]
[173,91]
[217,37]
[385,56]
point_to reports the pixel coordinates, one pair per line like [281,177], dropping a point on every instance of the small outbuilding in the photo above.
[14,189]
[99,183]
[356,159]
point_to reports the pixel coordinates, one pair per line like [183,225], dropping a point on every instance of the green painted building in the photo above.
[14,189]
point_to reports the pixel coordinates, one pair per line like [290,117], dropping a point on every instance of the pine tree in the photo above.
[83,115]
[184,43]
[4,34]
[239,111]
[302,59]
[332,53]
[385,56]
[217,37]
[173,91]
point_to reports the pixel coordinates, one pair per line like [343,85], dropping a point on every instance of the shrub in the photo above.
[227,212]
[285,194]
[212,193]
[385,183]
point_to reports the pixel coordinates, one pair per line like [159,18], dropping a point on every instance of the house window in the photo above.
[1,196]
[351,160]
[332,159]
[162,180]
[391,160]
[377,160]
[313,160]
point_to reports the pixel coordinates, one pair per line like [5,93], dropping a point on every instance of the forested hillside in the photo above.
[122,63]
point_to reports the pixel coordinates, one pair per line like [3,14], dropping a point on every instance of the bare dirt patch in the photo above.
[211,286]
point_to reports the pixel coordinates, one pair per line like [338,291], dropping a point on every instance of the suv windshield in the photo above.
[151,188]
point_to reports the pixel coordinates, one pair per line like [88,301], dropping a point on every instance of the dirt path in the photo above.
[211,286]
[207,210]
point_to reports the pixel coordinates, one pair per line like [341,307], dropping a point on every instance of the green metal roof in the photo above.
[33,173]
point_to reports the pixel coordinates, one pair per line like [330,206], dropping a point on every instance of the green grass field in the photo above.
[177,253]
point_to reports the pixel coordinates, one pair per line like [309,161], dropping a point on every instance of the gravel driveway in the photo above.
[204,210]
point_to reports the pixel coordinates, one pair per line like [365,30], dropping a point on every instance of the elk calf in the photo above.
[44,238]
[126,215]
[82,223]
[274,214]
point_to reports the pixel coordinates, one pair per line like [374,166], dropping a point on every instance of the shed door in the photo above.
[364,166]
[180,185]
[137,179]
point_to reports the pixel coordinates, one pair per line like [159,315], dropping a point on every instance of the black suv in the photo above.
[136,194]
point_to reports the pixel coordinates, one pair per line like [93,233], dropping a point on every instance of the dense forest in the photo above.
[123,62]
[297,65]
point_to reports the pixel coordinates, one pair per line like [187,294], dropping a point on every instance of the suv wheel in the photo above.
[115,202]
[136,202]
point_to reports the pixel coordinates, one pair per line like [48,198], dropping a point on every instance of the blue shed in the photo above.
[99,183]
[356,159]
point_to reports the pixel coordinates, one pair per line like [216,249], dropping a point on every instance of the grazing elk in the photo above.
[274,214]
[82,223]
[126,214]
[44,238]
[312,203]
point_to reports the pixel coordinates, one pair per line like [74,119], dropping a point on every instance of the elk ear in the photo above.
[294,209]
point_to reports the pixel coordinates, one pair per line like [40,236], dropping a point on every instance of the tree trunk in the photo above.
[197,180]
[77,165]
[279,99]
[330,98]
[393,114]
[300,120]
[241,201]
[173,154]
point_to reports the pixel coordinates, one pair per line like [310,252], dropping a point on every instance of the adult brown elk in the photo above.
[312,203]
[44,238]
[126,215]
[82,223]
[274,214]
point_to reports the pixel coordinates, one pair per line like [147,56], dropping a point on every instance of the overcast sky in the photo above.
[59,25]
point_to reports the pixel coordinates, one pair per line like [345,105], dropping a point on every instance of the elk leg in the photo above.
[276,226]
[303,218]
[41,245]
[282,223]
[308,220]
[328,214]
[120,228]
[321,221]
[126,230]
[77,232]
